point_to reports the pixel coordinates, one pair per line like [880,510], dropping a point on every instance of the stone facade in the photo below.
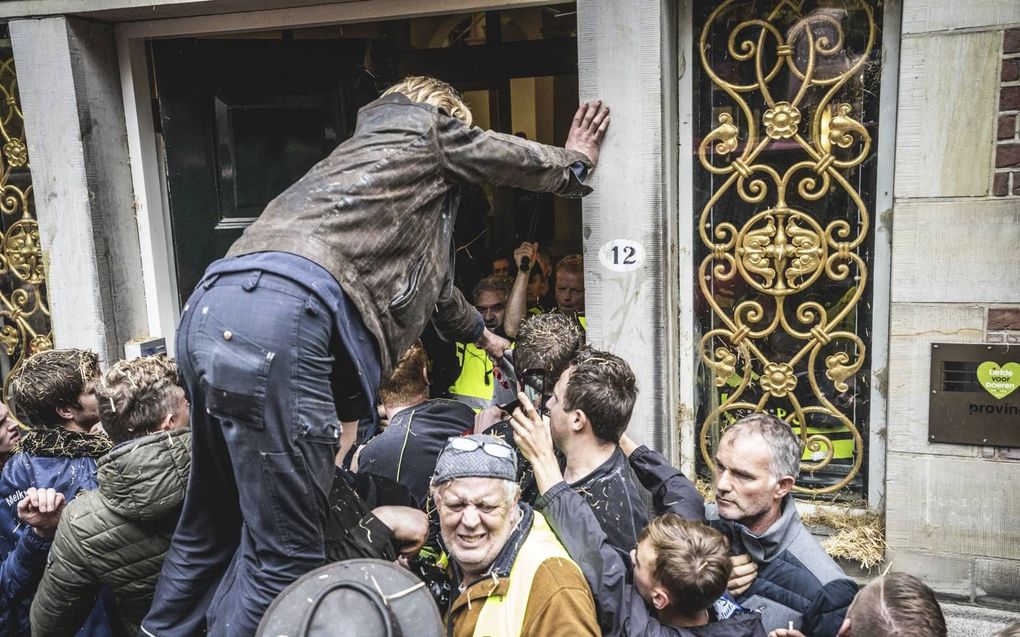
[952,511]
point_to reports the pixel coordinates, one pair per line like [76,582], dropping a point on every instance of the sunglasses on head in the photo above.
[494,449]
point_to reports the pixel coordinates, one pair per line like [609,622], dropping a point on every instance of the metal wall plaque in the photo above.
[975,394]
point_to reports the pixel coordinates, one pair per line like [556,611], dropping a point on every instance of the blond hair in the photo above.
[407,383]
[692,561]
[429,90]
[135,396]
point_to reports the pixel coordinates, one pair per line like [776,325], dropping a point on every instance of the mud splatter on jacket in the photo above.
[378,214]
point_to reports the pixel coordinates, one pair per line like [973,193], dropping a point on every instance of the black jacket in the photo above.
[615,500]
[621,610]
[797,580]
[395,467]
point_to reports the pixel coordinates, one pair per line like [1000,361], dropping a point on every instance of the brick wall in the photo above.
[1003,325]
[1007,150]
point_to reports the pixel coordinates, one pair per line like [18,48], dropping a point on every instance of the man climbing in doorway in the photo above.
[292,331]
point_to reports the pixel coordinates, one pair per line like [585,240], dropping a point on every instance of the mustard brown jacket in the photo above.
[378,214]
[559,604]
[116,536]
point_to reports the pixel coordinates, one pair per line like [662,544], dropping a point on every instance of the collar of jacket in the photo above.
[146,477]
[432,406]
[59,443]
[398,98]
[765,547]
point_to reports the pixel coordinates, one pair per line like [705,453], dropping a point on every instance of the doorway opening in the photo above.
[243,116]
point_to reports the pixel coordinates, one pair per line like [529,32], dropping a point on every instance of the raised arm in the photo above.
[472,155]
[620,608]
[517,304]
[671,491]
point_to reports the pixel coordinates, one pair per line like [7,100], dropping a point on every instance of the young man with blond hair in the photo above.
[293,330]
[117,535]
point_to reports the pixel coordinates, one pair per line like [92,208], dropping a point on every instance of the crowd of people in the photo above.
[299,428]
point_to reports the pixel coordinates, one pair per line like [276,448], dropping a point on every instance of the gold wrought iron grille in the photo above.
[786,102]
[24,310]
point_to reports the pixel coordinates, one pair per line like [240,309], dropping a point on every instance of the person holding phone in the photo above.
[589,411]
[546,343]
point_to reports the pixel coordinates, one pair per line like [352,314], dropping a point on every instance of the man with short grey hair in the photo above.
[515,578]
[797,585]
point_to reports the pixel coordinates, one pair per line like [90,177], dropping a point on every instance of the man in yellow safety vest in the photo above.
[477,381]
[515,578]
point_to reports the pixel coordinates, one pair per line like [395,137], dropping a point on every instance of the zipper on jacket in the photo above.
[405,295]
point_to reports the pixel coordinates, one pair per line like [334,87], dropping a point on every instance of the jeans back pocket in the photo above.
[234,374]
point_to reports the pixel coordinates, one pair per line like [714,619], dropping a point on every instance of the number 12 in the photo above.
[628,258]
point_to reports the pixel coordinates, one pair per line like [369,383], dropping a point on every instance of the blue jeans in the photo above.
[256,353]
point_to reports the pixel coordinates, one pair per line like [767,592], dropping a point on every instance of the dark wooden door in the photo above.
[242,120]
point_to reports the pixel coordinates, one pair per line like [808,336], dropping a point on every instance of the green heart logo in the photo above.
[999,381]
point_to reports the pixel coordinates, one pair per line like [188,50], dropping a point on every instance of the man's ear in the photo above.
[784,486]
[844,630]
[579,421]
[660,597]
[65,413]
[167,424]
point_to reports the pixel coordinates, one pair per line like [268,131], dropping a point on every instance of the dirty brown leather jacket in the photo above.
[378,214]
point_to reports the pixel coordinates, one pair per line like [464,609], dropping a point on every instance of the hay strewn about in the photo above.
[860,538]
[706,488]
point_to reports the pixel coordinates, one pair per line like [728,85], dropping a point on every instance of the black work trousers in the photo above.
[256,352]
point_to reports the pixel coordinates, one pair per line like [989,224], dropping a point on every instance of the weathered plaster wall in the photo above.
[625,60]
[953,511]
[74,124]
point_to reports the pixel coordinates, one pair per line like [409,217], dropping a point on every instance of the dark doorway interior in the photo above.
[243,117]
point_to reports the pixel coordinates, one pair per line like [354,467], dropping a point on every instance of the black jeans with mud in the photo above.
[256,353]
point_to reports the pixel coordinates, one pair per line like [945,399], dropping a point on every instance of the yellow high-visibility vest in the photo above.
[503,615]
[474,385]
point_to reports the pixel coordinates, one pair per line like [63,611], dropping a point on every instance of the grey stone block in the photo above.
[964,620]
[997,582]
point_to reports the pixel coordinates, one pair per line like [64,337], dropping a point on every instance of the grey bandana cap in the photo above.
[454,463]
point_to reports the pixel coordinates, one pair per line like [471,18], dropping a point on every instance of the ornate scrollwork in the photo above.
[726,134]
[24,312]
[791,72]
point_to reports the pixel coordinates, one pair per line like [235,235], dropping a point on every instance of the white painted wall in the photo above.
[74,126]
[633,314]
